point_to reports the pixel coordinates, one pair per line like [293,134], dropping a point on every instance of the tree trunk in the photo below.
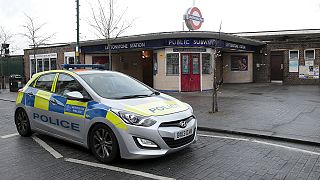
[215,88]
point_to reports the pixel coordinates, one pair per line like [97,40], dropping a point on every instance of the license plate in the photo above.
[184,133]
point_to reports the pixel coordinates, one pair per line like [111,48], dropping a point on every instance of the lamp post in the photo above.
[78,44]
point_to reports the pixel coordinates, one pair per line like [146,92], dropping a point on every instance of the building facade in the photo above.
[291,57]
[174,61]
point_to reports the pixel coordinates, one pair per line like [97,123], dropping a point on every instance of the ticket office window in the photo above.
[172,66]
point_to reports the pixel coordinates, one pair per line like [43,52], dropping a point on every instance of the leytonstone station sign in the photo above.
[193,18]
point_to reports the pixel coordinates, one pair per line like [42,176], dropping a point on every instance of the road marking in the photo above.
[43,144]
[223,137]
[118,169]
[262,142]
[286,147]
[9,135]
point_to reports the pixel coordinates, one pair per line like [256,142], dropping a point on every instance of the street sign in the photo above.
[193,18]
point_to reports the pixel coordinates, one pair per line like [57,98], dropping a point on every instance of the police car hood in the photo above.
[149,106]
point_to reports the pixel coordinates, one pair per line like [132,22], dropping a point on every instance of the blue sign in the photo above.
[162,43]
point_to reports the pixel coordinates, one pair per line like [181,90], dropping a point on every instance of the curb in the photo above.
[263,136]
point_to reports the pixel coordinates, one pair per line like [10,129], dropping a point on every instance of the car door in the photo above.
[38,101]
[70,114]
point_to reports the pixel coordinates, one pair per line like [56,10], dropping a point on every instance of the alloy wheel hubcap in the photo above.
[102,143]
[22,121]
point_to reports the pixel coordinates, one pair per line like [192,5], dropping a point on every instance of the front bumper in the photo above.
[161,134]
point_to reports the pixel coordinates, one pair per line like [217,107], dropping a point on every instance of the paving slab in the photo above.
[266,109]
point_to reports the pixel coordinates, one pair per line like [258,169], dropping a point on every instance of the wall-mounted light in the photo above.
[145,54]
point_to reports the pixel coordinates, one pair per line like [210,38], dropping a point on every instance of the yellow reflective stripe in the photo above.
[157,108]
[115,120]
[41,100]
[76,103]
[19,97]
[54,84]
[75,115]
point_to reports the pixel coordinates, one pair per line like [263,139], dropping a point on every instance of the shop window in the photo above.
[309,55]
[39,68]
[33,66]
[53,62]
[172,64]
[206,64]
[43,62]
[46,64]
[239,63]
[293,60]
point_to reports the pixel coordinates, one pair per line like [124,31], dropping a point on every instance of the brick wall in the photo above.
[60,56]
[263,56]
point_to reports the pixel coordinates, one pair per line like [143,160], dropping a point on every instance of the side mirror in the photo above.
[75,95]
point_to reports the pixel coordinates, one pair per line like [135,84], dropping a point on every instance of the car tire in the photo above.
[22,123]
[103,143]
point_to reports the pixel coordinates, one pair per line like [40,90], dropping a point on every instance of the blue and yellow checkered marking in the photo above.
[96,110]
[88,110]
[59,107]
[27,99]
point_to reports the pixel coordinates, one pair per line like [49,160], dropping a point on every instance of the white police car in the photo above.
[107,112]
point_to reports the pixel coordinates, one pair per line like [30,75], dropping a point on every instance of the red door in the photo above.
[190,72]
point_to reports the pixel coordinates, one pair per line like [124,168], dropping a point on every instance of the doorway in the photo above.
[190,72]
[276,66]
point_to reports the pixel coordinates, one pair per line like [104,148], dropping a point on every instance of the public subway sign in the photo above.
[193,18]
[192,42]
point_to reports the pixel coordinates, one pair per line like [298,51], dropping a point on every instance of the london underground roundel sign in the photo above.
[193,18]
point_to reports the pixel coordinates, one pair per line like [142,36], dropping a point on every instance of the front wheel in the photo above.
[22,123]
[103,143]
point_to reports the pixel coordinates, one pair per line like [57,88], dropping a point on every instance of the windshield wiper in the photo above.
[133,96]
[155,93]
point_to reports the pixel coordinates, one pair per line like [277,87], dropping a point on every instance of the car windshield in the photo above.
[117,86]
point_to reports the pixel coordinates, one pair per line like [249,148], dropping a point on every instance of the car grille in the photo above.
[180,142]
[176,123]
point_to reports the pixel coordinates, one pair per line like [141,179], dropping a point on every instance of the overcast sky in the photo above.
[160,16]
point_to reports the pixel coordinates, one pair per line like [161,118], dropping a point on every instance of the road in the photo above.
[213,156]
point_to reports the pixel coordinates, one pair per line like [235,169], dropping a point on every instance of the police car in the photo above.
[108,112]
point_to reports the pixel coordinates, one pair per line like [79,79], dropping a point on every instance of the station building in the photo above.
[172,61]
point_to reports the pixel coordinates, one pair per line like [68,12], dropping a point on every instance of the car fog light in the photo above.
[147,143]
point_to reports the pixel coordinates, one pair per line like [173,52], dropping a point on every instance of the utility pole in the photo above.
[78,44]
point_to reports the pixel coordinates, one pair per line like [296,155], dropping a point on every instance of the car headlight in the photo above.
[134,119]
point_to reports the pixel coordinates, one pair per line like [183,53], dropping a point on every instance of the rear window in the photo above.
[115,85]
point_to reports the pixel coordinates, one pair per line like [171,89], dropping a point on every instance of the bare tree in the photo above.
[108,24]
[5,38]
[32,33]
[216,82]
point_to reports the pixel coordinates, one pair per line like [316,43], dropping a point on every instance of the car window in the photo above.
[44,82]
[67,84]
[115,85]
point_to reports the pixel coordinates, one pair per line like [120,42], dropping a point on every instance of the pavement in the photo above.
[283,112]
[273,111]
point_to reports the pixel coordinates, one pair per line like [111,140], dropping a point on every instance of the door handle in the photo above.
[53,101]
[281,66]
[30,94]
